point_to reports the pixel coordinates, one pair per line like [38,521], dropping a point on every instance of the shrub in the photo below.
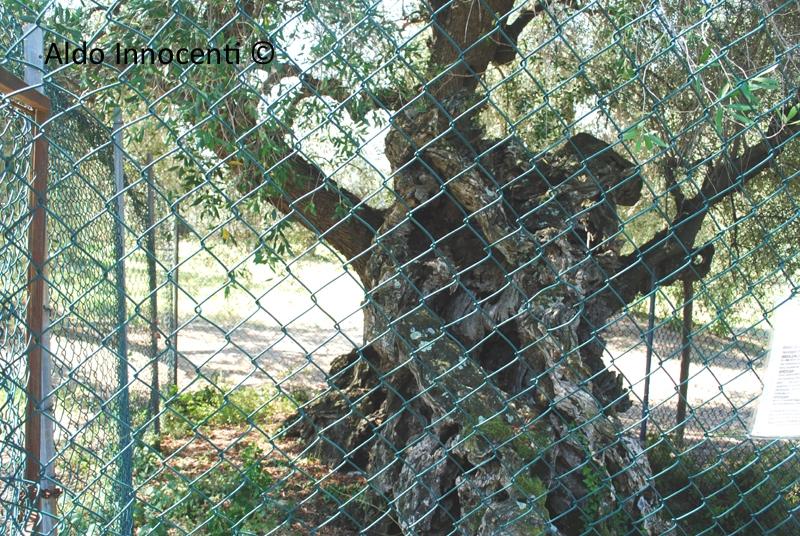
[756,492]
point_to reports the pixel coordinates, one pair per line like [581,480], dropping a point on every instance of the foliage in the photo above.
[621,76]
[230,498]
[634,89]
[600,516]
[743,492]
[678,88]
[248,487]
[213,405]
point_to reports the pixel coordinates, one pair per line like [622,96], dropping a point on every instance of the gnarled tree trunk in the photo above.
[480,403]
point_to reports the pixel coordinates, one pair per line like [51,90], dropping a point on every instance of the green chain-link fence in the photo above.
[16,150]
[387,269]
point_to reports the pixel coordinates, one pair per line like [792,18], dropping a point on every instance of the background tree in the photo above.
[501,233]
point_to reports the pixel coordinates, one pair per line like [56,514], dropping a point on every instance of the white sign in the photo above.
[778,411]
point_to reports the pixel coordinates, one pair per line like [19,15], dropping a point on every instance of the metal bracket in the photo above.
[52,493]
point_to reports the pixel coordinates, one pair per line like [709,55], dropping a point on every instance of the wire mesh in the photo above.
[15,219]
[343,297]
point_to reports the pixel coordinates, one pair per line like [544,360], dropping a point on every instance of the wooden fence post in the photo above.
[38,430]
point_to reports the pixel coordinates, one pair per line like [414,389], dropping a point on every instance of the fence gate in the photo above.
[64,377]
[14,198]
[23,311]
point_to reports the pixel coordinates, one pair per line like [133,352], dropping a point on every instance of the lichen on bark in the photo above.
[479,397]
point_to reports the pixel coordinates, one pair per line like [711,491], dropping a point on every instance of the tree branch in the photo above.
[506,41]
[317,203]
[671,254]
[468,35]
[461,47]
[357,103]
[306,195]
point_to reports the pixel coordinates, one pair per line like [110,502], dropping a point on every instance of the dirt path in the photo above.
[289,335]
[288,332]
[724,378]
[300,330]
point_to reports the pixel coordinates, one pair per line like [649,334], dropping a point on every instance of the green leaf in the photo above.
[752,99]
[631,133]
[739,107]
[765,82]
[792,113]
[656,140]
[718,120]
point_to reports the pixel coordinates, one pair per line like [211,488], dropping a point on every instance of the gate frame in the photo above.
[27,96]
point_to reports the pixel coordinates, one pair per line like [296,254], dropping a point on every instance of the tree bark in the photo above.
[480,403]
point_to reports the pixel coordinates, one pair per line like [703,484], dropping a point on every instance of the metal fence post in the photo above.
[648,365]
[150,244]
[686,354]
[125,458]
[175,278]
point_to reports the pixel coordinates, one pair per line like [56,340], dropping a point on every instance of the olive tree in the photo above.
[523,142]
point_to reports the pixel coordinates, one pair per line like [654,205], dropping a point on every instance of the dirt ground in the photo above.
[290,336]
[288,332]
[724,378]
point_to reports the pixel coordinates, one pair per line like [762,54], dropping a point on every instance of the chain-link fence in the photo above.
[14,191]
[720,378]
[85,300]
[397,268]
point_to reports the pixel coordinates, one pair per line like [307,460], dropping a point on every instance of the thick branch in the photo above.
[306,195]
[462,47]
[507,40]
[332,213]
[469,35]
[357,103]
[671,253]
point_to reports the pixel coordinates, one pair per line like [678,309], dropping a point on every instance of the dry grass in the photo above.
[244,476]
